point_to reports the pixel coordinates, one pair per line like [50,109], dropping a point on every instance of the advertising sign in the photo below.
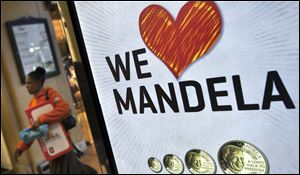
[195,87]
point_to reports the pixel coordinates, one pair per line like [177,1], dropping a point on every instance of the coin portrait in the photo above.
[154,164]
[240,157]
[173,164]
[199,162]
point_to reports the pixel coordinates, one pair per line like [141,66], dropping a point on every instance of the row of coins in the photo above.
[234,157]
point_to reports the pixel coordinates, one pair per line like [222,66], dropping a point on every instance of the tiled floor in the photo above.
[90,158]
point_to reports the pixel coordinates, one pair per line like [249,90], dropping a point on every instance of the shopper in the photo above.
[67,163]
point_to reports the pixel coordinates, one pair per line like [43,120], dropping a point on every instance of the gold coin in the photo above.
[240,157]
[199,162]
[173,164]
[154,165]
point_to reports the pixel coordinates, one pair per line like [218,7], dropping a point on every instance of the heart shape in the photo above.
[179,43]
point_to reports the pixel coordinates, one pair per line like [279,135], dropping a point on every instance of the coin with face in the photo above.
[173,164]
[154,164]
[199,162]
[240,157]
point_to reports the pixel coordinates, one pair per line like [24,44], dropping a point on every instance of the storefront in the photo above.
[179,84]
[161,87]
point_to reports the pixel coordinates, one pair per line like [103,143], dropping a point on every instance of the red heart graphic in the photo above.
[179,43]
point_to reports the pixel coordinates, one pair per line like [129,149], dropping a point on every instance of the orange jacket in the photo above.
[60,110]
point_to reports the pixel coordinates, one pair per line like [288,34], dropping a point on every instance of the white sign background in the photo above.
[257,37]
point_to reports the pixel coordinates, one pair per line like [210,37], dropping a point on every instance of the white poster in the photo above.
[56,143]
[197,87]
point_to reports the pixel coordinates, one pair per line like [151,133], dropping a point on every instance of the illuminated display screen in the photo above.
[196,87]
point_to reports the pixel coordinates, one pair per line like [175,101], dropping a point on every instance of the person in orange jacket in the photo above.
[34,84]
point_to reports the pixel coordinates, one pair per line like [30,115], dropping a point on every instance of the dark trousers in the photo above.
[69,164]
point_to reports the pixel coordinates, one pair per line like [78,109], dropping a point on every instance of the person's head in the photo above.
[172,163]
[234,158]
[35,80]
[194,159]
[153,163]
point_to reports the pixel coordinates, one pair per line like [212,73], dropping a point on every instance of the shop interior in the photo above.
[14,97]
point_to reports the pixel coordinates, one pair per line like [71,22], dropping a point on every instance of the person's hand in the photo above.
[35,125]
[18,153]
